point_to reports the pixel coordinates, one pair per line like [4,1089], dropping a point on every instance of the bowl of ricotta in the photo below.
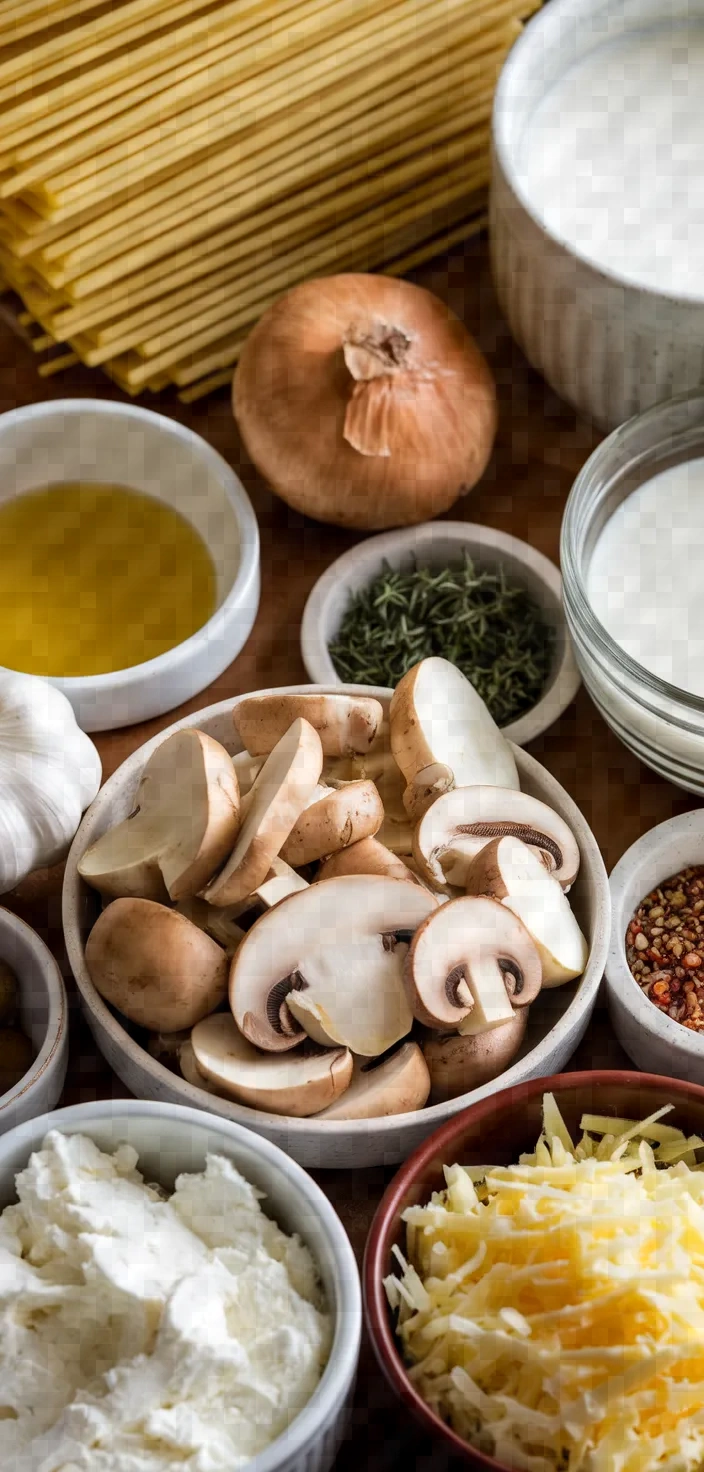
[175,1292]
[598,200]
[632,550]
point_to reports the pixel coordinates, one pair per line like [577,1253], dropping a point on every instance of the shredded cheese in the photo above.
[552,1312]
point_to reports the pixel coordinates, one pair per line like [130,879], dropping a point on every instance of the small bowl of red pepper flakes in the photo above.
[655,962]
[665,947]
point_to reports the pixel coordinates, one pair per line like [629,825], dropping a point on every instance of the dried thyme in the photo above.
[491,629]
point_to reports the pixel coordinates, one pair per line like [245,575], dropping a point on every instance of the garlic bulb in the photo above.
[49,772]
[364,402]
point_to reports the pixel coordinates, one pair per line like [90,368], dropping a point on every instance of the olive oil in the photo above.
[96,578]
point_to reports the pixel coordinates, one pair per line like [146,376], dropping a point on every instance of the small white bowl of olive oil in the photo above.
[129,558]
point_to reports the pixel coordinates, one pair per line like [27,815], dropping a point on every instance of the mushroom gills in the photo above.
[461,823]
[396,1084]
[510,871]
[337,917]
[297,1084]
[354,996]
[469,965]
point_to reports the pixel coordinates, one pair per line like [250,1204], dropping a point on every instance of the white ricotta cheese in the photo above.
[139,1333]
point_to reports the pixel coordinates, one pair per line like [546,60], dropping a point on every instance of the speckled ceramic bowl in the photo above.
[170,1140]
[443,544]
[654,1041]
[558,1020]
[43,1017]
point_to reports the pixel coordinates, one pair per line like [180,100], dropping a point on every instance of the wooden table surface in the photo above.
[541,445]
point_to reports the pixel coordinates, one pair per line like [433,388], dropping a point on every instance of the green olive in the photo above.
[8,995]
[16,1057]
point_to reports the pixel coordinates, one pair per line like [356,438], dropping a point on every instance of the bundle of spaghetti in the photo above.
[169,167]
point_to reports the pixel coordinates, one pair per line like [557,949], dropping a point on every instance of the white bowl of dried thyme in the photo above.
[487,601]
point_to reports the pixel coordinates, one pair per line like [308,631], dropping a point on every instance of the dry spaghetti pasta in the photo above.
[169,167]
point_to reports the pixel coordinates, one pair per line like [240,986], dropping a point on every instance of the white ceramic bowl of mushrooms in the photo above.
[337,915]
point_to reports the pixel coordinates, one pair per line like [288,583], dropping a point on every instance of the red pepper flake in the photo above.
[671,920]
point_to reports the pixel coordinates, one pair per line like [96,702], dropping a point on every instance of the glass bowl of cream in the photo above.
[632,555]
[597,207]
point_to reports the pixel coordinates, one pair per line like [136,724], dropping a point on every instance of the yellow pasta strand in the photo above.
[169,167]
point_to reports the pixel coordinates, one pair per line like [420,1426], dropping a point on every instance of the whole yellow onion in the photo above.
[363,401]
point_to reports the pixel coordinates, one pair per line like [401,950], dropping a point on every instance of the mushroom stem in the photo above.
[489,1002]
[469,965]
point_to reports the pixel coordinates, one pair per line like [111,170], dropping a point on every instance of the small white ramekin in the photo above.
[100,442]
[655,1042]
[609,348]
[43,1017]
[442,544]
[170,1140]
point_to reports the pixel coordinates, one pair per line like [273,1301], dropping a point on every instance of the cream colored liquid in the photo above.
[97,578]
[645,576]
[613,157]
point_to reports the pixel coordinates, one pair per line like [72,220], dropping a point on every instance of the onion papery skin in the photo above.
[419,400]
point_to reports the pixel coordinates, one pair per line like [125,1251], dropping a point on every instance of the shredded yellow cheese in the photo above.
[552,1312]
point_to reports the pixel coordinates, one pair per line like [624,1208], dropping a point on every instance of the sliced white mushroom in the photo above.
[166,1046]
[281,881]
[184,824]
[247,768]
[507,869]
[191,1072]
[367,856]
[355,999]
[154,966]
[436,715]
[340,817]
[299,1084]
[349,934]
[394,1085]
[346,724]
[469,965]
[460,823]
[221,925]
[457,1064]
[396,835]
[277,799]
[427,785]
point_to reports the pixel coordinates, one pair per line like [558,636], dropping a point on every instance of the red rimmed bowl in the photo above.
[494,1132]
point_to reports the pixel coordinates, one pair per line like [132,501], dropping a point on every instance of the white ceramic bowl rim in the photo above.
[646,1013]
[565,673]
[576,591]
[530,46]
[198,448]
[58,1008]
[433,1114]
[342,1362]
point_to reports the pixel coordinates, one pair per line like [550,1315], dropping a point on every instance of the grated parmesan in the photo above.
[552,1312]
